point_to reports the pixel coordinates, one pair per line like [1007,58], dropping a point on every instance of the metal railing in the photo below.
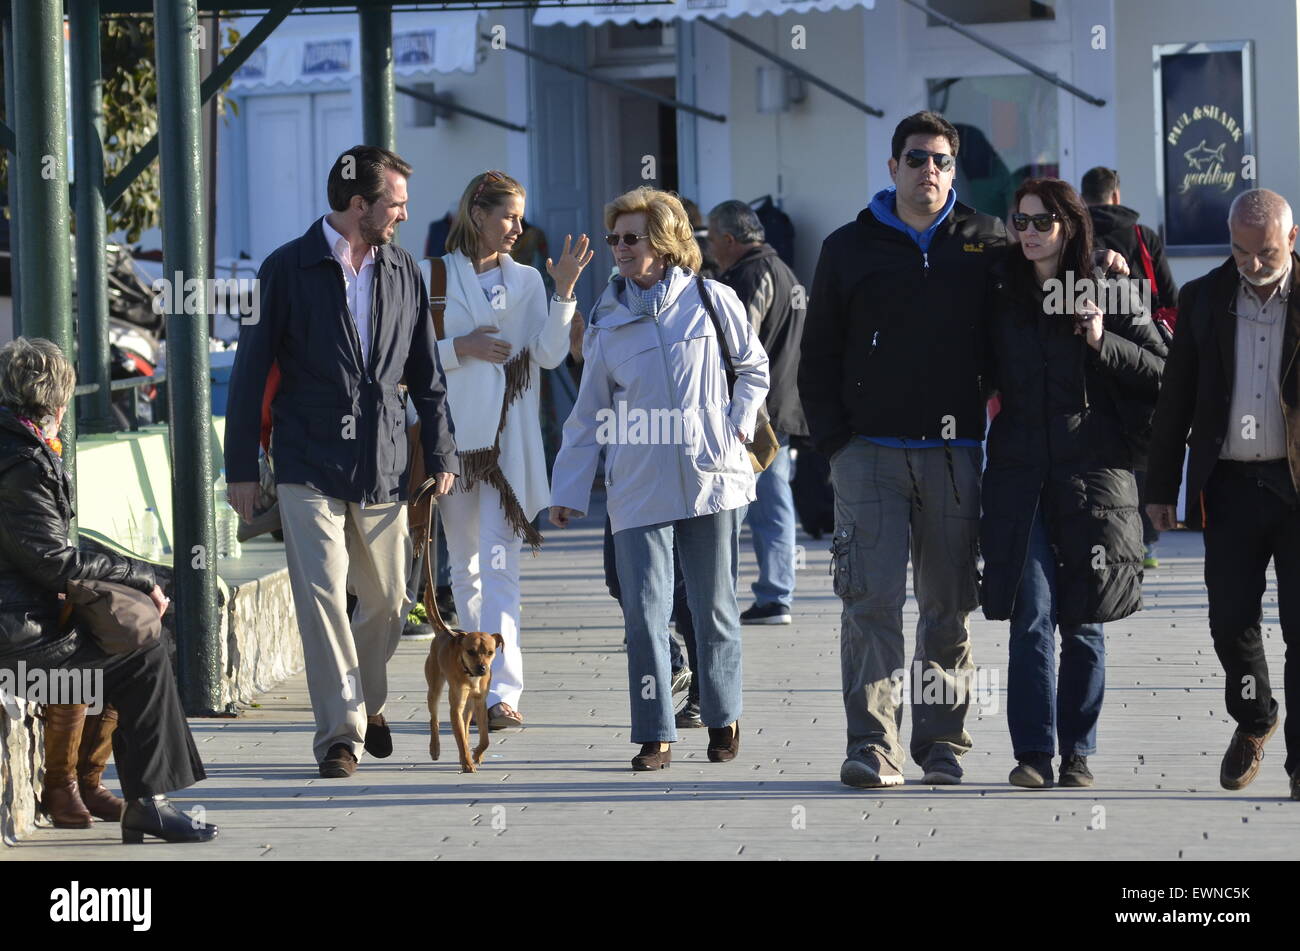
[135,384]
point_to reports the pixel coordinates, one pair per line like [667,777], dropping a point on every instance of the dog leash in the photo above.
[430,600]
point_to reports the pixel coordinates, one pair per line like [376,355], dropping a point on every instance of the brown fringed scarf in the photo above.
[485,464]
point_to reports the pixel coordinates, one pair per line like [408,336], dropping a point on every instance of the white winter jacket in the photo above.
[654,397]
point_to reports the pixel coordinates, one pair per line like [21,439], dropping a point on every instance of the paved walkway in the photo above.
[562,787]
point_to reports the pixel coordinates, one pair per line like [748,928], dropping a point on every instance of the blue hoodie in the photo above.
[883,206]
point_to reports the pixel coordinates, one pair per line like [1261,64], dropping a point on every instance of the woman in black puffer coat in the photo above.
[152,745]
[1060,531]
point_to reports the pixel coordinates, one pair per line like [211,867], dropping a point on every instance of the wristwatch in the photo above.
[564,300]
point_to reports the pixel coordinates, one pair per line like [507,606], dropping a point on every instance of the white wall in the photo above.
[1272,25]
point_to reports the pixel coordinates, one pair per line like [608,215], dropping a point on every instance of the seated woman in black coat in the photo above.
[1060,531]
[152,746]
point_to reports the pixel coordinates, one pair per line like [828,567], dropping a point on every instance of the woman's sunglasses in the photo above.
[915,158]
[627,237]
[1041,222]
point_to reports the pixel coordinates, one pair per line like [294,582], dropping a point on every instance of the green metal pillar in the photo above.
[180,134]
[96,409]
[378,98]
[41,130]
[7,37]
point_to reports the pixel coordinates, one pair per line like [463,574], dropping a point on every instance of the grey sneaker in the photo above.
[942,770]
[869,770]
[1075,772]
[681,680]
[688,717]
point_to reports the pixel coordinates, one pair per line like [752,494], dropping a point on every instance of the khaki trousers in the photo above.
[333,547]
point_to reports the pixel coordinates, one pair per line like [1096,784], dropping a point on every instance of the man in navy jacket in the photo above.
[345,315]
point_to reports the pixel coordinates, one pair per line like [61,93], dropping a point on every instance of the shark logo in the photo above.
[1202,158]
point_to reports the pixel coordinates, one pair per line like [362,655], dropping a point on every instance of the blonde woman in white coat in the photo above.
[497,332]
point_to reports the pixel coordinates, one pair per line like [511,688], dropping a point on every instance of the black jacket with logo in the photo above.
[766,286]
[36,561]
[338,421]
[892,342]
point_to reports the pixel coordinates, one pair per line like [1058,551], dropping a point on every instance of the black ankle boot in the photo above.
[158,817]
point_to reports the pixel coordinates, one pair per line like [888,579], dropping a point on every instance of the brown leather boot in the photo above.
[60,798]
[96,745]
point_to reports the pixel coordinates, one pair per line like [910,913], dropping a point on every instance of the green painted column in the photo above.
[7,38]
[378,98]
[44,228]
[95,410]
[180,137]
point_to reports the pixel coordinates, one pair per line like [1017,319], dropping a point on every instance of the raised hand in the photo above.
[572,261]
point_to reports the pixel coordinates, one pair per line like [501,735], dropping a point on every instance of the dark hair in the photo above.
[1098,183]
[923,123]
[1057,196]
[360,171]
[737,219]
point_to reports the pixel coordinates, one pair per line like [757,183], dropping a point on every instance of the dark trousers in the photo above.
[152,746]
[1247,524]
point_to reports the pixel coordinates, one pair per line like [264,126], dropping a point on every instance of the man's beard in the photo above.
[371,231]
[1262,280]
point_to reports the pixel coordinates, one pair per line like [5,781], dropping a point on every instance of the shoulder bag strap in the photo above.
[438,295]
[727,366]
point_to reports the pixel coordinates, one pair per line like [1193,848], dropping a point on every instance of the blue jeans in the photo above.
[771,520]
[709,546]
[1042,705]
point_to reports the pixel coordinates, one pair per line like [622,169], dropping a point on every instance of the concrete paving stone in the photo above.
[563,787]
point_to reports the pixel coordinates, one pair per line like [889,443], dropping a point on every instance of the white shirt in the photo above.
[357,284]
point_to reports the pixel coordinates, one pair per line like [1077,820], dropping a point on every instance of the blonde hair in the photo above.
[36,379]
[485,190]
[669,227]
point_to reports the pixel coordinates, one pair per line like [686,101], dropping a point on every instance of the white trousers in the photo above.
[484,553]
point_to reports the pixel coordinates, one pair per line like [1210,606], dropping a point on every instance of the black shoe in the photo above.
[651,757]
[773,613]
[1034,772]
[417,631]
[1295,784]
[447,607]
[379,739]
[158,817]
[1075,772]
[688,718]
[339,762]
[724,743]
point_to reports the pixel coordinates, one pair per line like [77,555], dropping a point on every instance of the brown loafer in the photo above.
[379,739]
[651,757]
[339,763]
[724,743]
[1241,761]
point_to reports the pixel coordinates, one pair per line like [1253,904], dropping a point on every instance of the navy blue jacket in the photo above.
[338,421]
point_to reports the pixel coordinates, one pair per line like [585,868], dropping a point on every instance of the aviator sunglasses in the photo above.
[915,158]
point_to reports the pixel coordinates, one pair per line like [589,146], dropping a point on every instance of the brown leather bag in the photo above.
[120,619]
[418,476]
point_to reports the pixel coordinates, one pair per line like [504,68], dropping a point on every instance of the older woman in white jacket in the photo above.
[654,397]
[496,332]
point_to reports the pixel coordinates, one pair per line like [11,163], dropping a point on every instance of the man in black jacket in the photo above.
[1231,392]
[1116,226]
[890,383]
[775,303]
[345,315]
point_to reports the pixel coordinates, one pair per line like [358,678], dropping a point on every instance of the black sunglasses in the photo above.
[915,158]
[628,237]
[1041,222]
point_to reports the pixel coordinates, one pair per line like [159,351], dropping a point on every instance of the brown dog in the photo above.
[464,660]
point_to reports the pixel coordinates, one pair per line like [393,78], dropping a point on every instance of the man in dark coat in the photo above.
[775,303]
[1116,226]
[345,315]
[1231,393]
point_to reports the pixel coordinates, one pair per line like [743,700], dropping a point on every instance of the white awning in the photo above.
[622,13]
[326,48]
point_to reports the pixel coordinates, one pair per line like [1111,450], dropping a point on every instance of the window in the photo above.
[992,11]
[1009,132]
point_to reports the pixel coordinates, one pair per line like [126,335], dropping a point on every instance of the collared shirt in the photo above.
[1256,429]
[356,282]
